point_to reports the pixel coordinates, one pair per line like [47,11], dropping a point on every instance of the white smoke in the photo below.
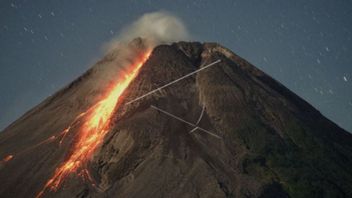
[156,28]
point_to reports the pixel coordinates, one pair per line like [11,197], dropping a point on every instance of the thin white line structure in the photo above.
[201,115]
[184,121]
[174,81]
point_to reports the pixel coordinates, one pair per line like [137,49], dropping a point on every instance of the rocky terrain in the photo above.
[272,143]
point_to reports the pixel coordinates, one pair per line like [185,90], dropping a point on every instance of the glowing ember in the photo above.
[96,122]
[7,158]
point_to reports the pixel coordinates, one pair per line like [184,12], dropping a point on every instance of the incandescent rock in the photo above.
[272,143]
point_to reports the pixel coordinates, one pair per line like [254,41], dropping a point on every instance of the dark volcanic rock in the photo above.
[273,144]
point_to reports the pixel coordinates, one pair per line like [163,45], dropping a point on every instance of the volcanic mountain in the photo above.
[228,130]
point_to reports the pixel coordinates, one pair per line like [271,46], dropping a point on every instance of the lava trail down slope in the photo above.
[265,141]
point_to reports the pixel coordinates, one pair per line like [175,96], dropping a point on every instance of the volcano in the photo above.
[186,119]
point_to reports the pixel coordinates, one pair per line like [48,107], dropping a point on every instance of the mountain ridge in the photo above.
[273,143]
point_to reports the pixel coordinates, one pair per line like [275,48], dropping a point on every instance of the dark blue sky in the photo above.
[305,44]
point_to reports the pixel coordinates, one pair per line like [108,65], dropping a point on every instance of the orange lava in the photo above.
[7,158]
[96,122]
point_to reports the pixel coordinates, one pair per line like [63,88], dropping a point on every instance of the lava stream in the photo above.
[95,125]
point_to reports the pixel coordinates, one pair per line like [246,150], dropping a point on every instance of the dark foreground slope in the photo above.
[273,144]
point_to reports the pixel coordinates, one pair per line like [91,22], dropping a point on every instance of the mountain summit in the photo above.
[228,130]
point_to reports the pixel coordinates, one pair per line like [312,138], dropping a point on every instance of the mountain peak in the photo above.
[228,130]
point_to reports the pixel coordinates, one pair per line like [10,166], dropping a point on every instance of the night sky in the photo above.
[304,44]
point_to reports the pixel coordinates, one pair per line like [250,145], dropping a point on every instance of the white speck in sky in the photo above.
[40,16]
[345,78]
[52,13]
[318,61]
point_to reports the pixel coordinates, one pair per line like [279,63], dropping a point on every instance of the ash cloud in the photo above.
[155,28]
[152,29]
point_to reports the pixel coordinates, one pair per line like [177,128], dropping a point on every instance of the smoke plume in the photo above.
[155,28]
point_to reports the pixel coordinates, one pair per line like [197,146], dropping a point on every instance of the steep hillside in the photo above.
[263,140]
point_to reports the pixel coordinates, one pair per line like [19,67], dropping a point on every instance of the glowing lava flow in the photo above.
[7,158]
[91,134]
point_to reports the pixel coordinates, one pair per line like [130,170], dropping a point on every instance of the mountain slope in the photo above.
[273,144]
